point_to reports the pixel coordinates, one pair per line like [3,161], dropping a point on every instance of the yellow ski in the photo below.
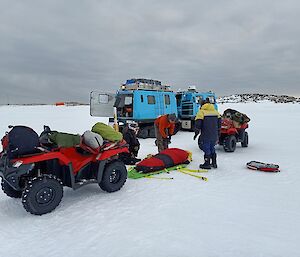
[193,175]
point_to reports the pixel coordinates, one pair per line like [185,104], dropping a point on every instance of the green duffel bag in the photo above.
[107,132]
[64,139]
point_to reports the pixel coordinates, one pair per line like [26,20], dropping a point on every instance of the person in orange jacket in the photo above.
[164,129]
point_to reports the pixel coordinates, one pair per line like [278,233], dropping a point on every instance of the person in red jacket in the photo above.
[164,129]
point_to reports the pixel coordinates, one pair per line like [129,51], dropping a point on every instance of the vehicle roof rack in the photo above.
[144,84]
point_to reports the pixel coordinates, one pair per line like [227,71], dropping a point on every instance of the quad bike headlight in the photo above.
[17,164]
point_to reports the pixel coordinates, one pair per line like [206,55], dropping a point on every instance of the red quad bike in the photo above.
[231,135]
[38,177]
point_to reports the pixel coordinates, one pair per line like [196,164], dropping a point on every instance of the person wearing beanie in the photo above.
[208,125]
[164,129]
[129,135]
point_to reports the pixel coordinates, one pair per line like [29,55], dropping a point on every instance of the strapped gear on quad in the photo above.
[39,176]
[19,141]
[233,130]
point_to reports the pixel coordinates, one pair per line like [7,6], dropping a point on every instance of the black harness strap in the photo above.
[166,159]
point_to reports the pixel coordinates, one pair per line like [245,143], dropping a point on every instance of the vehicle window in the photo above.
[122,100]
[151,99]
[178,99]
[103,98]
[128,100]
[211,99]
[142,98]
[199,99]
[167,99]
[117,102]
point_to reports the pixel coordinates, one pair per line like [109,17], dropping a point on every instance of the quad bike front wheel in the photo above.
[114,177]
[229,143]
[9,191]
[42,194]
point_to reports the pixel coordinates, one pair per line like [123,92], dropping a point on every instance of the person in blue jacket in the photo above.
[208,125]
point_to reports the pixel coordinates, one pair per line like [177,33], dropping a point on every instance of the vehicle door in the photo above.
[159,104]
[166,104]
[101,104]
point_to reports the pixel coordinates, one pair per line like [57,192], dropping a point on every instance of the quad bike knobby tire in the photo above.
[9,191]
[114,177]
[246,140]
[229,143]
[42,194]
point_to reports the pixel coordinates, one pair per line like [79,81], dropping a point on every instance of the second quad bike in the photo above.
[38,174]
[231,135]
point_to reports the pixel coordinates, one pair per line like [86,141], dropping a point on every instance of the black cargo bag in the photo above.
[22,140]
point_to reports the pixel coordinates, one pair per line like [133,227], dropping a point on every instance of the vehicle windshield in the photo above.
[211,99]
[123,100]
[124,105]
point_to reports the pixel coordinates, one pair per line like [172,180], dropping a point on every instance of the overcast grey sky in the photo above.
[56,50]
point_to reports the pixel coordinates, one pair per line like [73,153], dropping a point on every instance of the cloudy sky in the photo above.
[57,50]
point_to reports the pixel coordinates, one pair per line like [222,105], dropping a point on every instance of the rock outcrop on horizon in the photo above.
[245,98]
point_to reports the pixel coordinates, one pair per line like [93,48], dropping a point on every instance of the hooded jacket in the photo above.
[208,122]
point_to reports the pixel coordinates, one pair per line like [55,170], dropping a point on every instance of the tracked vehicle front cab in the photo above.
[144,106]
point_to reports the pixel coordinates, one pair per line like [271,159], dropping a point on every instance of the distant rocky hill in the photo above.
[244,98]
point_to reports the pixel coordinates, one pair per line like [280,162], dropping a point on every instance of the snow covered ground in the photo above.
[238,212]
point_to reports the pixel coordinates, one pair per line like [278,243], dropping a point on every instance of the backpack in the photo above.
[19,141]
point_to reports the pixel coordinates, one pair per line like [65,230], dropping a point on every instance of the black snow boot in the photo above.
[206,164]
[214,160]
